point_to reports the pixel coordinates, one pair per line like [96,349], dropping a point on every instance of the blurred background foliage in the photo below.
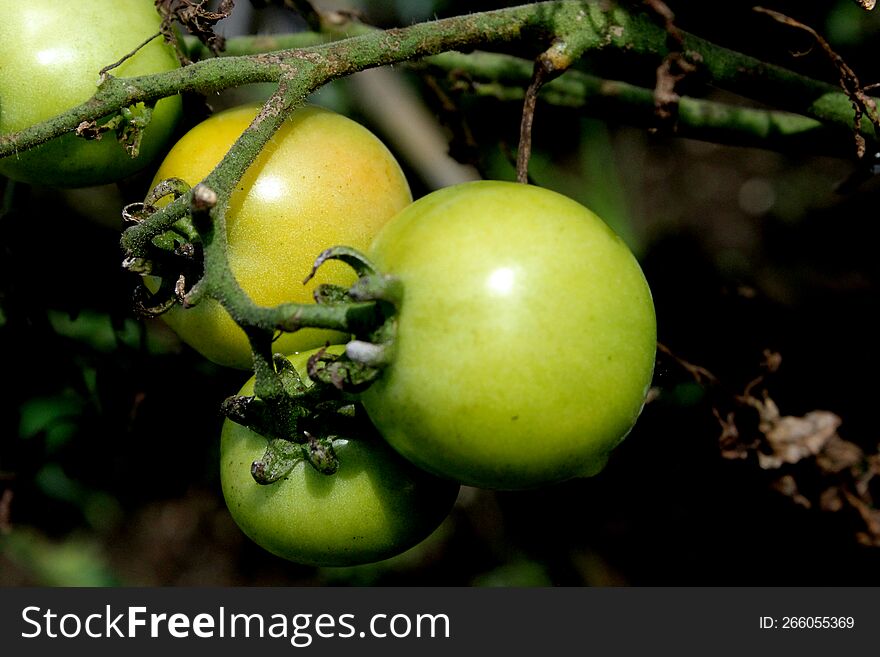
[109,426]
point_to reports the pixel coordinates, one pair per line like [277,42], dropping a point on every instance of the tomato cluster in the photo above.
[521,347]
[523,352]
[524,342]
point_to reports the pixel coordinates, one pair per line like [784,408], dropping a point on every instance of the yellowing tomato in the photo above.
[50,55]
[323,180]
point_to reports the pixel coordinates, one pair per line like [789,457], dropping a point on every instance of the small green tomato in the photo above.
[375,506]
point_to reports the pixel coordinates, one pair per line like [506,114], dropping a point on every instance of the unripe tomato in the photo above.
[50,55]
[322,180]
[525,341]
[375,506]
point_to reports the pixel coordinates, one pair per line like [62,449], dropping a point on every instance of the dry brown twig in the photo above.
[549,65]
[524,150]
[675,67]
[700,374]
[863,104]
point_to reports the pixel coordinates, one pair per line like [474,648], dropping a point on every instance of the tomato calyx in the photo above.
[299,420]
[179,234]
[371,349]
[175,256]
[302,420]
[300,424]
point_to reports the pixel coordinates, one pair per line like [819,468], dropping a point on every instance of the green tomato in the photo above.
[375,506]
[526,337]
[51,54]
[322,180]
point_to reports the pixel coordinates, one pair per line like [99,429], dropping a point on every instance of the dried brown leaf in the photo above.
[771,364]
[89,130]
[834,475]
[196,18]
[665,97]
[871,518]
[772,361]
[787,485]
[674,68]
[831,499]
[729,440]
[838,455]
[864,479]
[792,438]
[867,4]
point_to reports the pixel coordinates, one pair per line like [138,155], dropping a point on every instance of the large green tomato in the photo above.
[526,337]
[323,180]
[50,55]
[375,506]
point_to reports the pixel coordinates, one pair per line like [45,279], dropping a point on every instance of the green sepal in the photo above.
[352,257]
[320,454]
[148,304]
[291,381]
[175,187]
[341,372]
[258,416]
[279,459]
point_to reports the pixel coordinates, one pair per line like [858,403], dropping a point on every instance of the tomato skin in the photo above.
[526,337]
[51,54]
[323,180]
[377,505]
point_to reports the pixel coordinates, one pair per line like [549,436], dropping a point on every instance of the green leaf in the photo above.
[45,414]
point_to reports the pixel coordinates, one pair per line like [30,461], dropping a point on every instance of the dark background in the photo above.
[109,426]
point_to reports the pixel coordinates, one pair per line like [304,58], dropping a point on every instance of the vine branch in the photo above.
[504,77]
[597,27]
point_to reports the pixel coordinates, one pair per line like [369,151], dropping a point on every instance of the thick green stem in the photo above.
[819,119]
[590,25]
[504,77]
[313,66]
